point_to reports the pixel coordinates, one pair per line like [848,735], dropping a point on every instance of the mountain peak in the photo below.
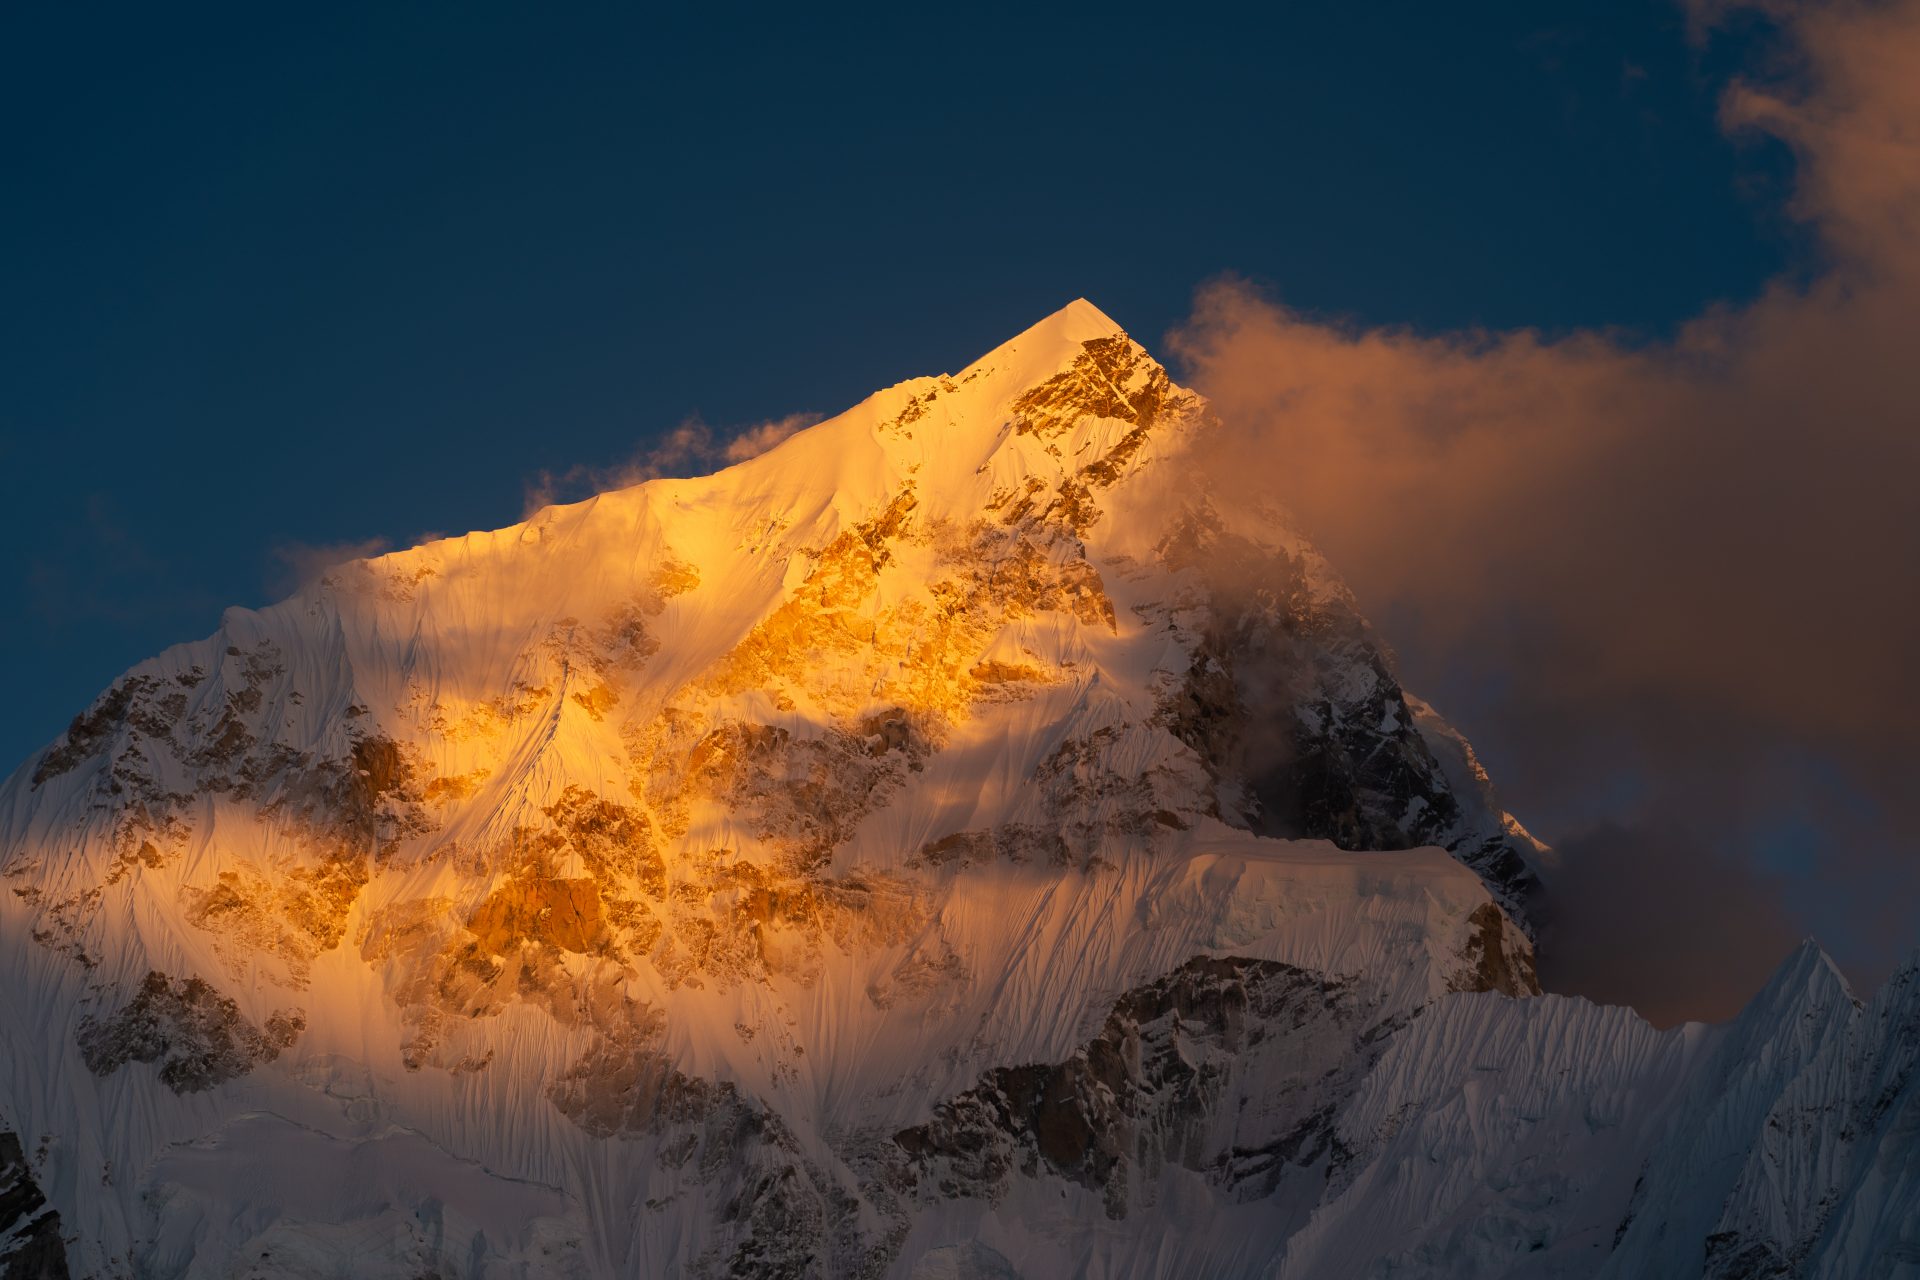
[1078,321]
[1051,344]
[1806,980]
[1083,315]
[758,821]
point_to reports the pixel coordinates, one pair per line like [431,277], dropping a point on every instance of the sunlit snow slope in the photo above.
[945,845]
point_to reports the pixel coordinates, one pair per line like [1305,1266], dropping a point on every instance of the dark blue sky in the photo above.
[274,280]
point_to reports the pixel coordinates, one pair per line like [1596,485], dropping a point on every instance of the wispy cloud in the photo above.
[751,442]
[299,564]
[688,449]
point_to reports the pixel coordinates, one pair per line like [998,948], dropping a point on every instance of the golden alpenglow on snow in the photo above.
[947,844]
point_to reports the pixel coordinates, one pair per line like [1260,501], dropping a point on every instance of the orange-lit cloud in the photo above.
[1698,555]
[751,442]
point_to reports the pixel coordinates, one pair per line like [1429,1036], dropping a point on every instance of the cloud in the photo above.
[300,564]
[1691,561]
[1654,898]
[688,449]
[753,441]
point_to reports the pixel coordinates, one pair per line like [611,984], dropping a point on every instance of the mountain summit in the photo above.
[948,844]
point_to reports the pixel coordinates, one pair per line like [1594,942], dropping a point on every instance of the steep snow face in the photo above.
[945,843]
[1830,1186]
[1553,1137]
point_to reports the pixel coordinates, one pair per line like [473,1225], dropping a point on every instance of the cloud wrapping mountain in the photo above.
[1673,579]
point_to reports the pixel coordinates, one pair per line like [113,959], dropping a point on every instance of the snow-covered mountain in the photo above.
[946,845]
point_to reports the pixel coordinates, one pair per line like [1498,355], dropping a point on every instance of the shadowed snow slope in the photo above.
[947,844]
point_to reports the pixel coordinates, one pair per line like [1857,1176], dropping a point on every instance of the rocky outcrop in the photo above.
[196,1036]
[1494,960]
[30,1243]
[293,914]
[568,941]
[778,1212]
[1294,708]
[1181,1072]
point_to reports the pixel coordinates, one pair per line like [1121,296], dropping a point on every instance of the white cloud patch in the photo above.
[691,448]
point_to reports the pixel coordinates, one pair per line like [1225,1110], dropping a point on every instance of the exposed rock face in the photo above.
[1494,961]
[295,915]
[538,911]
[1294,708]
[1167,1080]
[30,1244]
[196,1035]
